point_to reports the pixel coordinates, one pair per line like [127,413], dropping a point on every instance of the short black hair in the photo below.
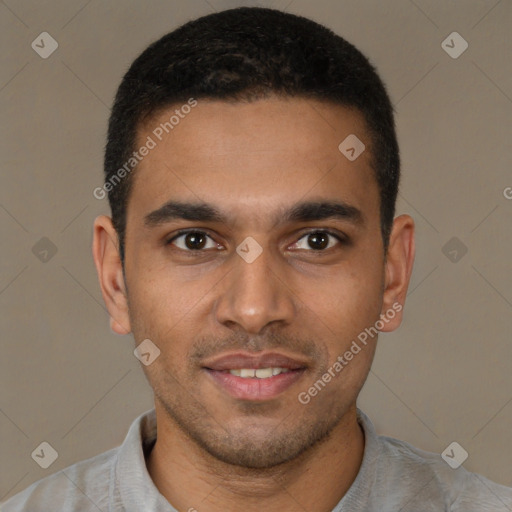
[246,54]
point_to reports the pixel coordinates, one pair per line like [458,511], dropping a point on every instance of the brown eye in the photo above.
[318,241]
[193,241]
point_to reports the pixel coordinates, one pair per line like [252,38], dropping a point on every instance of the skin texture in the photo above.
[253,161]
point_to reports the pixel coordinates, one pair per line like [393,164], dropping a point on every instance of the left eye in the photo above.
[318,240]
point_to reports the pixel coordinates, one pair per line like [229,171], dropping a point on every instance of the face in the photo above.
[254,259]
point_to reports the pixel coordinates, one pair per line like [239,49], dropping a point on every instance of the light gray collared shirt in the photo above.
[394,477]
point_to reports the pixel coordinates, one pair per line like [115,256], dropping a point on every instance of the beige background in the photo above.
[444,376]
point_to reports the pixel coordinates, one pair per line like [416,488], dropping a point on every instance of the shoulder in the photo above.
[92,484]
[83,486]
[428,476]
[396,475]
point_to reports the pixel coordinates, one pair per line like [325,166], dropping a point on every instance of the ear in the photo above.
[398,269]
[105,251]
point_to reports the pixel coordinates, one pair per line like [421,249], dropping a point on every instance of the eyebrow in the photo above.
[301,212]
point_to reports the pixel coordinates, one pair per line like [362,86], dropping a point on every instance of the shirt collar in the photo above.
[137,490]
[358,494]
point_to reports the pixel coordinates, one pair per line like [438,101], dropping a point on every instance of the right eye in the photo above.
[192,241]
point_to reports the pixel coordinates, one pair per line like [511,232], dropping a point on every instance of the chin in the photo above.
[262,447]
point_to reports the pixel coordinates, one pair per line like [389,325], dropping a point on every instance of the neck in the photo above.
[191,479]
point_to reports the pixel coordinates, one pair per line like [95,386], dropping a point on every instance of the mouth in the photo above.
[255,377]
[260,373]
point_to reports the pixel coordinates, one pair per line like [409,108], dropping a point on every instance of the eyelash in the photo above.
[341,239]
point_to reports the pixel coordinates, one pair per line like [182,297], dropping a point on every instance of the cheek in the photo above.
[156,305]
[347,301]
[171,310]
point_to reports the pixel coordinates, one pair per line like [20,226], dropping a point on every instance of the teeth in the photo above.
[263,373]
[260,373]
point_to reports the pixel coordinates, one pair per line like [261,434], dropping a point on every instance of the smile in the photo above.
[260,373]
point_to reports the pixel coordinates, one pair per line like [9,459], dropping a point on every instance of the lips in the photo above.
[247,376]
[240,360]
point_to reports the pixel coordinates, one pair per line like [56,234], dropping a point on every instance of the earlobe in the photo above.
[117,328]
[110,273]
[398,270]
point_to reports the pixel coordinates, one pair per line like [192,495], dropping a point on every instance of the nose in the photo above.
[255,294]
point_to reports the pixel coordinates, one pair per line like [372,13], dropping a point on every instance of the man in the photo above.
[252,169]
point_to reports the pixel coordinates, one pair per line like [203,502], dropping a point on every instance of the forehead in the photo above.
[249,156]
